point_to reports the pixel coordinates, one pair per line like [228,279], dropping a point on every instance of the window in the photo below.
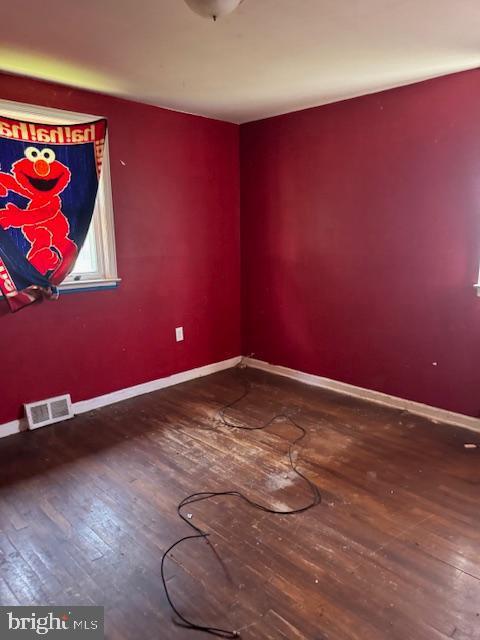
[96,265]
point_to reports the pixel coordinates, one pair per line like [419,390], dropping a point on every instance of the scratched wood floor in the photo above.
[393,552]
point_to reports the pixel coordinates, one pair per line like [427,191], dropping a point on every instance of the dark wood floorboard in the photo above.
[393,551]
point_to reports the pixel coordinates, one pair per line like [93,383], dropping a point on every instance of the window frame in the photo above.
[106,275]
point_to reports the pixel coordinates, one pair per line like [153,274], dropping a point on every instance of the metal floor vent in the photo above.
[39,414]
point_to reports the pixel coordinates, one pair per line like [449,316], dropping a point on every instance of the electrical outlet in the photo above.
[179,334]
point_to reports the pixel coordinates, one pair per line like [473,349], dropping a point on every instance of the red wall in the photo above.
[176,206]
[361,241]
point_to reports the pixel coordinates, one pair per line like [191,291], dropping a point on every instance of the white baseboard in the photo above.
[153,385]
[82,406]
[9,428]
[432,413]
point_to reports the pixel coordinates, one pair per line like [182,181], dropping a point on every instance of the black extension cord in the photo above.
[206,495]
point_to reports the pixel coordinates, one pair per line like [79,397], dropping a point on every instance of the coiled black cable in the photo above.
[206,495]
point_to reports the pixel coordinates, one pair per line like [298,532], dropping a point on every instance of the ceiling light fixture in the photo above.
[213,8]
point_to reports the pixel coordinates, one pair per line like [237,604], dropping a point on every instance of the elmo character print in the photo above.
[40,178]
[48,185]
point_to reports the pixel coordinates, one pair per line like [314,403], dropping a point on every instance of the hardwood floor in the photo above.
[393,551]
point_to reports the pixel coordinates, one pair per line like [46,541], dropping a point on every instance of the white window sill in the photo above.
[74,286]
[477,287]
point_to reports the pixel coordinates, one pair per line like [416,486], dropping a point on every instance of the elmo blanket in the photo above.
[48,184]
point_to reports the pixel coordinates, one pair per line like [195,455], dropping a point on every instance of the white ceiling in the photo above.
[269,57]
